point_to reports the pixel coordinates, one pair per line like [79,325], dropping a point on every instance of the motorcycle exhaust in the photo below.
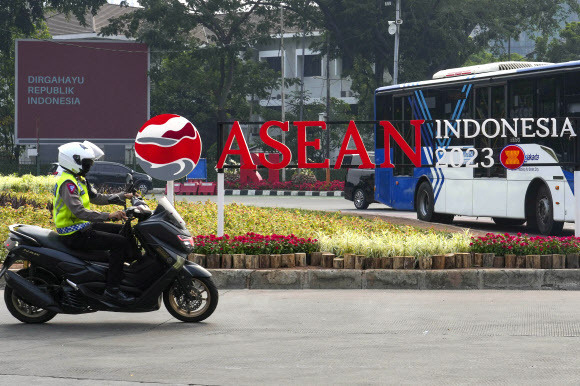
[31,293]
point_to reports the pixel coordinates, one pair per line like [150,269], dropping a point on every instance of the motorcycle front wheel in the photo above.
[199,305]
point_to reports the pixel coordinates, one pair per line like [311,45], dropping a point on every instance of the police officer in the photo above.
[85,229]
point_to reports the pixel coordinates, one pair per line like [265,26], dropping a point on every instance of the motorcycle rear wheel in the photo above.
[23,311]
[205,299]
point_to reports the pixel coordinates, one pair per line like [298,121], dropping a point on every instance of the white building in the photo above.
[300,61]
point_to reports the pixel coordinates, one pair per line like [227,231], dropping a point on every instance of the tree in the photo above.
[484,57]
[564,49]
[203,61]
[224,27]
[435,34]
[185,84]
[23,17]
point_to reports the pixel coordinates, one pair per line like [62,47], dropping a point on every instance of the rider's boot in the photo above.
[115,295]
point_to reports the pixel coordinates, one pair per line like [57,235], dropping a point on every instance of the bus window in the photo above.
[571,95]
[466,109]
[432,103]
[548,92]
[549,101]
[403,113]
[398,109]
[570,108]
[384,107]
[522,98]
[490,103]
[498,109]
[384,111]
[456,104]
[482,109]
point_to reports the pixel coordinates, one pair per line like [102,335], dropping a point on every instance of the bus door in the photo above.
[490,186]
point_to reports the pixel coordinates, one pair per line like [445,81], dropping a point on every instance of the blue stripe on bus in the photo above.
[439,177]
[457,113]
[427,116]
[438,173]
[570,179]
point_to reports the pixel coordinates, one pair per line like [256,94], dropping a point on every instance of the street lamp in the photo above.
[395,30]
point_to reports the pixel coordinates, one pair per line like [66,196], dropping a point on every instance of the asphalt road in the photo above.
[478,224]
[311,337]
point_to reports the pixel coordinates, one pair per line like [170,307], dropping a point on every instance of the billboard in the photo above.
[79,89]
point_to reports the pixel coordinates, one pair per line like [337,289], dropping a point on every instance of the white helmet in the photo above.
[78,157]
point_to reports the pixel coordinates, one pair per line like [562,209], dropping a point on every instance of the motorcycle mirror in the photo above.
[129,178]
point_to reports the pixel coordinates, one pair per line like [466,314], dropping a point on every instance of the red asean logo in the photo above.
[168,147]
[512,157]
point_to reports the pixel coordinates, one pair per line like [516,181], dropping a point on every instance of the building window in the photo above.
[274,62]
[347,65]
[312,65]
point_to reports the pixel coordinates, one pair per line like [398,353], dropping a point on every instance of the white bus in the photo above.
[499,140]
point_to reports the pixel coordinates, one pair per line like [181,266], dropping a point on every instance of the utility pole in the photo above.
[396,61]
[282,68]
[302,74]
[37,146]
[327,105]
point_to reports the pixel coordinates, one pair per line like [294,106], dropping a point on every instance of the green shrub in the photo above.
[303,176]
[27,183]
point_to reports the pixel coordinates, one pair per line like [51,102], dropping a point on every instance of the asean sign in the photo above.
[168,147]
[512,157]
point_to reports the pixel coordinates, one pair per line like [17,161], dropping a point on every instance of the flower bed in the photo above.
[328,231]
[524,245]
[288,185]
[253,244]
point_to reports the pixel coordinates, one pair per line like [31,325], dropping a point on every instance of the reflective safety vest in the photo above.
[66,222]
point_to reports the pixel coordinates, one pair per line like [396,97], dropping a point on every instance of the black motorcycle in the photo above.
[60,280]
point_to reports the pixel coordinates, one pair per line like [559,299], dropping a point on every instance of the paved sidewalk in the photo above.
[311,337]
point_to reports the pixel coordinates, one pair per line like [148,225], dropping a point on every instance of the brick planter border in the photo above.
[349,261]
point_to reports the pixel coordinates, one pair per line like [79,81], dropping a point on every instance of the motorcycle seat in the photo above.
[50,239]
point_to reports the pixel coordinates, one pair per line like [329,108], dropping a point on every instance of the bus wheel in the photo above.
[508,221]
[544,209]
[425,202]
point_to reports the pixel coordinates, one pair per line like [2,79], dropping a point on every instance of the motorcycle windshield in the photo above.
[164,202]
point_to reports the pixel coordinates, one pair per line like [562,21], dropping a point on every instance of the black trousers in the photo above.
[101,237]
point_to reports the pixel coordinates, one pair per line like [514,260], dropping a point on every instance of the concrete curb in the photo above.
[251,192]
[307,193]
[451,279]
[460,279]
